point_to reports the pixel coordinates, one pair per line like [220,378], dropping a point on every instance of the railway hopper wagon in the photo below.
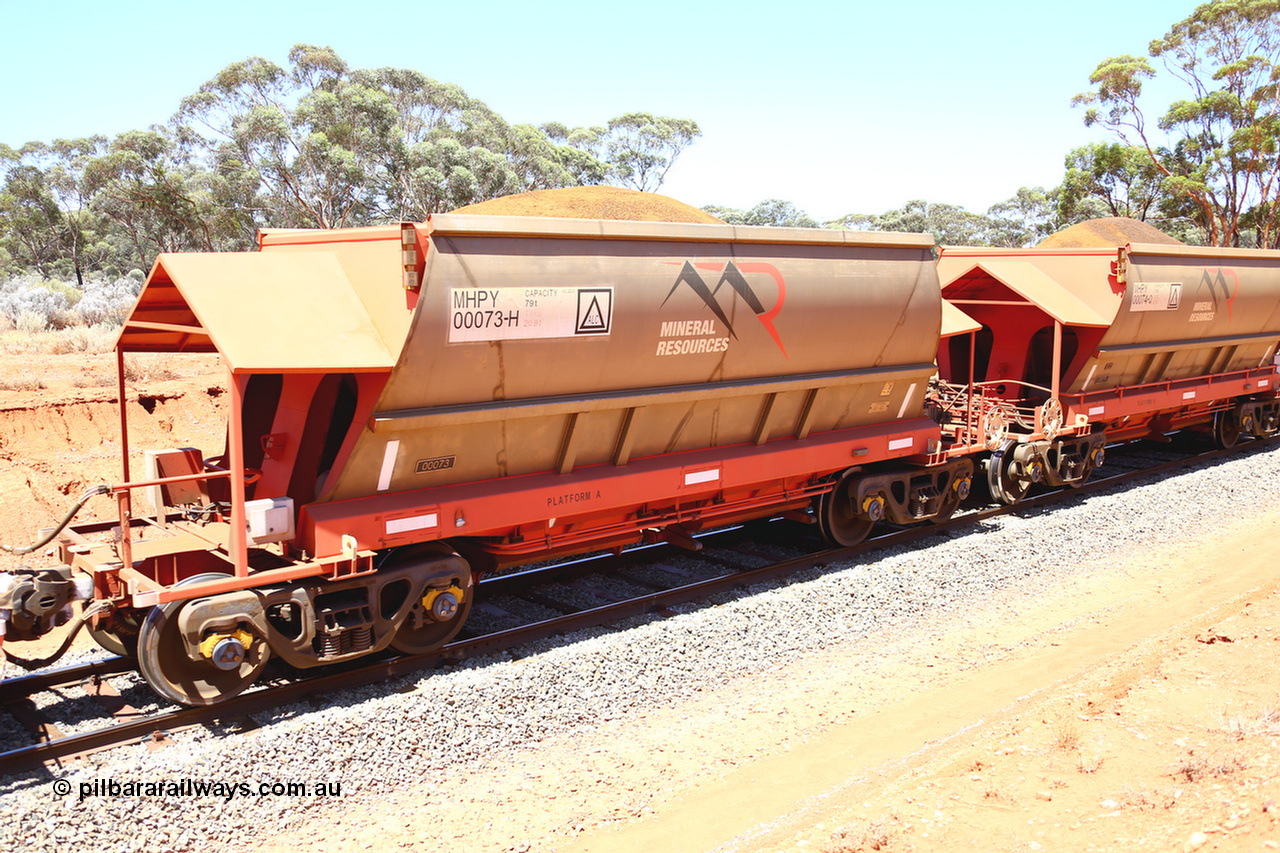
[412,406]
[1074,348]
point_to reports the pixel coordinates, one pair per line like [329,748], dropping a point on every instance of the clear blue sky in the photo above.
[839,107]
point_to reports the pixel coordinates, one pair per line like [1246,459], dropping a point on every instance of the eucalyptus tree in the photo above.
[1110,179]
[641,148]
[579,152]
[949,224]
[30,219]
[312,138]
[82,237]
[448,149]
[29,216]
[1221,153]
[329,146]
[154,193]
[771,211]
[1025,219]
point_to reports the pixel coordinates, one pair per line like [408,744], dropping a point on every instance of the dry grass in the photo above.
[1241,726]
[1065,734]
[1194,767]
[1133,798]
[22,383]
[1090,758]
[81,339]
[1088,764]
[97,381]
[31,323]
[148,367]
[14,342]
[860,837]
[59,342]
[998,797]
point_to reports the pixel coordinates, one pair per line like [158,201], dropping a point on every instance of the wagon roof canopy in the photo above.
[956,322]
[1003,278]
[264,313]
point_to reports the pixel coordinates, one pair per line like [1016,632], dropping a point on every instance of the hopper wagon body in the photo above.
[1077,347]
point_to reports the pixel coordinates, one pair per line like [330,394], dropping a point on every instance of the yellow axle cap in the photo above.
[431,596]
[209,643]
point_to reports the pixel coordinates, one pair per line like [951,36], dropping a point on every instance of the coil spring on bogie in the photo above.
[361,638]
[924,502]
[345,642]
[331,645]
[1073,466]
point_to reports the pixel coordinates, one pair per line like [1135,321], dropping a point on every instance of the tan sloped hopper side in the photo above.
[1227,316]
[850,326]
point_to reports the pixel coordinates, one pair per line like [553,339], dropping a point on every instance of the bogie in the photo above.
[223,663]
[901,496]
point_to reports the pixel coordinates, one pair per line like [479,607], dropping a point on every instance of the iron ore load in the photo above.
[413,406]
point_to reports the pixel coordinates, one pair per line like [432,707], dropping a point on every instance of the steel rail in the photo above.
[22,686]
[381,670]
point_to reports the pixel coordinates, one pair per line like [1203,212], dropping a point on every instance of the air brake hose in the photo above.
[76,624]
[100,489]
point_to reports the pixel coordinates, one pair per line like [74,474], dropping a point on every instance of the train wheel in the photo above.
[1226,429]
[439,615]
[118,633]
[837,520]
[163,661]
[1003,485]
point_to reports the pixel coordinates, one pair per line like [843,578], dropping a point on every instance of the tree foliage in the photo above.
[310,144]
[1219,157]
[316,143]
[1022,220]
[30,220]
[642,148]
[1110,179]
[771,211]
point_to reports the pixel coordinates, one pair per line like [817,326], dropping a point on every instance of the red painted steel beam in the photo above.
[500,507]
[1141,400]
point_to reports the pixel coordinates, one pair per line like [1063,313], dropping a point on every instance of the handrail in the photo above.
[1262,371]
[164,481]
[252,475]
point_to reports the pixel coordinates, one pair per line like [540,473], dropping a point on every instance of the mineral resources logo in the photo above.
[1214,284]
[697,336]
